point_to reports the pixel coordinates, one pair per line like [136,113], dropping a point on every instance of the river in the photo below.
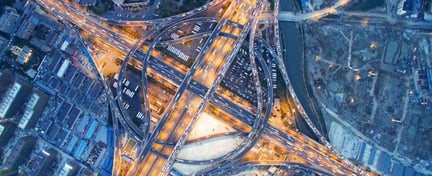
[293,57]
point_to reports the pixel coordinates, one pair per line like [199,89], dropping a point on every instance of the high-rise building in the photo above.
[20,152]
[6,132]
[26,28]
[14,98]
[6,78]
[68,169]
[8,20]
[33,109]
[44,162]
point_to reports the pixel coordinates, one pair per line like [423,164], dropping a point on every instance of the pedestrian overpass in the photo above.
[287,16]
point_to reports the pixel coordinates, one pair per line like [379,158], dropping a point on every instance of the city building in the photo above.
[41,166]
[8,20]
[107,164]
[26,28]
[33,110]
[14,98]
[429,78]
[8,172]
[5,81]
[20,152]
[3,43]
[6,132]
[48,33]
[415,8]
[68,169]
[66,43]
[24,54]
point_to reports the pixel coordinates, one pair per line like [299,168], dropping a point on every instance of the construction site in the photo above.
[373,79]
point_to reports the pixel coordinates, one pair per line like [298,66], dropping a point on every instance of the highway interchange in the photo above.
[197,89]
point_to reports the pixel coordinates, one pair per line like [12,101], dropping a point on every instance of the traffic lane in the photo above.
[315,146]
[170,132]
[200,90]
[195,87]
[168,19]
[243,143]
[213,64]
[211,90]
[73,15]
[83,24]
[179,92]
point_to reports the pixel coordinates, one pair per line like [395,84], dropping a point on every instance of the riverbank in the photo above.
[292,40]
[319,120]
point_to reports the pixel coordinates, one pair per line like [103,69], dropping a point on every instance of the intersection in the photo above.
[196,88]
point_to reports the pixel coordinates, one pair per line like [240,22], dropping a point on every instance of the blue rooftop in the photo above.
[45,88]
[398,169]
[72,143]
[174,172]
[384,163]
[303,2]
[429,78]
[372,156]
[80,149]
[68,39]
[91,129]
[82,124]
[34,20]
[362,150]
[107,164]
[409,171]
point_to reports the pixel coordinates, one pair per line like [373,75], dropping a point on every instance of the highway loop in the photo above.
[261,117]
[126,127]
[141,133]
[155,42]
[258,120]
[259,124]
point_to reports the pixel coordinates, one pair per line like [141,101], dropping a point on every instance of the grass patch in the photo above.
[171,7]
[102,6]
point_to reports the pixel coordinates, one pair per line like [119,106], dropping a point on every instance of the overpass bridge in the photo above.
[289,16]
[315,15]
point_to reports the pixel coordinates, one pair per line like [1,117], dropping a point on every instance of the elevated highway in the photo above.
[315,15]
[196,88]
